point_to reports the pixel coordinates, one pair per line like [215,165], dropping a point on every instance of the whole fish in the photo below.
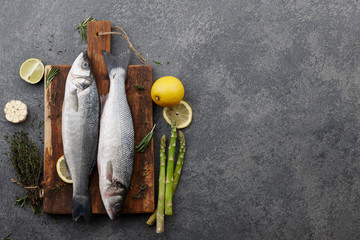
[80,131]
[116,140]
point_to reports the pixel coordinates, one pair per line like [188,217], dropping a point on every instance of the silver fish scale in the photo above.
[116,143]
[80,134]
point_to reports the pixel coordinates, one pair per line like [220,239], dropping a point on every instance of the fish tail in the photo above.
[113,62]
[81,207]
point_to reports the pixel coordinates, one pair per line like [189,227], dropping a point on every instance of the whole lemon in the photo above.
[167,91]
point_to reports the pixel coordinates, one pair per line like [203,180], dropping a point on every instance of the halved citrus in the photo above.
[32,70]
[181,114]
[62,171]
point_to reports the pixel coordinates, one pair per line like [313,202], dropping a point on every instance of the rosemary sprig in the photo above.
[54,71]
[83,28]
[146,140]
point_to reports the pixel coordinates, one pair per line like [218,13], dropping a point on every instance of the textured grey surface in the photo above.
[274,85]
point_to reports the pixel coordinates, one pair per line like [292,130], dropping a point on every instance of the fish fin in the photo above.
[112,62]
[109,170]
[67,168]
[74,100]
[94,161]
[81,207]
[103,99]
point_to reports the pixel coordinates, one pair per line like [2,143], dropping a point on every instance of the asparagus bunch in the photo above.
[179,163]
[170,171]
[161,198]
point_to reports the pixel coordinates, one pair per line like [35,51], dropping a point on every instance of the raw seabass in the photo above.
[80,129]
[116,140]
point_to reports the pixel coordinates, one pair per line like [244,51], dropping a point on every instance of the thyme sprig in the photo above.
[54,71]
[145,141]
[27,164]
[83,28]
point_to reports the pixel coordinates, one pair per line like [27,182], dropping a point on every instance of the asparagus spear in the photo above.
[180,160]
[161,198]
[151,220]
[179,163]
[170,172]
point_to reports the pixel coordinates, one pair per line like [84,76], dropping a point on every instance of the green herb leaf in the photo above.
[158,63]
[54,71]
[145,141]
[7,237]
[54,116]
[136,195]
[34,210]
[138,192]
[53,95]
[139,87]
[83,28]
[40,124]
[20,201]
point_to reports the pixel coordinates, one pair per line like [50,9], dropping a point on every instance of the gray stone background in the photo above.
[272,152]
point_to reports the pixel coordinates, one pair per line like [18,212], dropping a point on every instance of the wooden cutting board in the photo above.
[58,194]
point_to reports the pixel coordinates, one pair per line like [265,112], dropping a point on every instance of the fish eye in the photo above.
[85,65]
[118,207]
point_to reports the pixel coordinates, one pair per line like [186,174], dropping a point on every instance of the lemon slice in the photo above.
[62,171]
[181,114]
[32,70]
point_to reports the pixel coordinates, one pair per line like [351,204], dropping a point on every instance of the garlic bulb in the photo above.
[15,111]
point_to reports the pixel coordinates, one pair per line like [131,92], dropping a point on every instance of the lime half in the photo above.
[32,70]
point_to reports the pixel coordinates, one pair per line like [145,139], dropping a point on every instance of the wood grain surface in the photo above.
[95,45]
[58,194]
